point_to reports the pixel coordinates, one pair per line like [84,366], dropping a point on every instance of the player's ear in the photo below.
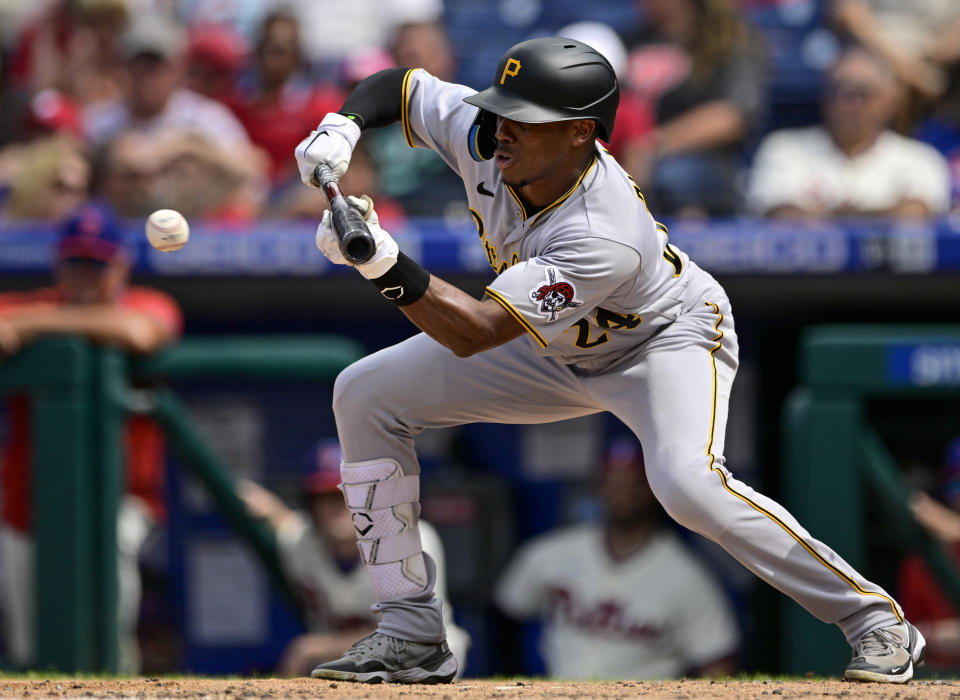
[584,130]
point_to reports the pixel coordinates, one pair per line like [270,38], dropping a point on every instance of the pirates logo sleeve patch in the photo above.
[554,296]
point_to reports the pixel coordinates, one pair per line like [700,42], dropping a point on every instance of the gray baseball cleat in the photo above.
[380,658]
[887,655]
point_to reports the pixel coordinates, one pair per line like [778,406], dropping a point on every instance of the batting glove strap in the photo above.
[404,283]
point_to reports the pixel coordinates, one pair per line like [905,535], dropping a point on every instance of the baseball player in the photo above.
[615,318]
[582,582]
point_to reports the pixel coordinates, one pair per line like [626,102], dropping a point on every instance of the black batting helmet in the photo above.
[547,80]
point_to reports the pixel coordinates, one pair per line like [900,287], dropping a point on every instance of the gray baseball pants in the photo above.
[672,393]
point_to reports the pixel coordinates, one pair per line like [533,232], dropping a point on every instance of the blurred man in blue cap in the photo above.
[319,552]
[90,297]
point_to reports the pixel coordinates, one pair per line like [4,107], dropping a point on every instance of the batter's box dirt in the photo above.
[233,689]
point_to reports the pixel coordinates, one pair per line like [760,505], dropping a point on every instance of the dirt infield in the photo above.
[174,688]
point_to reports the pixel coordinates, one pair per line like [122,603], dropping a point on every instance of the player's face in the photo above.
[531,153]
[626,494]
[858,99]
[332,517]
[89,281]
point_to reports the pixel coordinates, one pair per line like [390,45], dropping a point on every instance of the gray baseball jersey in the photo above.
[590,276]
[648,336]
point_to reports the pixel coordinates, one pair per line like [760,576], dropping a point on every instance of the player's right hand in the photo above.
[387,250]
[332,142]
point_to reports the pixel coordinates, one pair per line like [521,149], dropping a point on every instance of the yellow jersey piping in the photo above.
[404,118]
[569,192]
[555,204]
[516,314]
[516,197]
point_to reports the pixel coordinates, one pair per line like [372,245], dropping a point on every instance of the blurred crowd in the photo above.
[197,105]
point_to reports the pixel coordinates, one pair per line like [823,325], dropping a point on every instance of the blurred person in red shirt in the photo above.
[921,595]
[278,102]
[216,55]
[90,297]
[72,46]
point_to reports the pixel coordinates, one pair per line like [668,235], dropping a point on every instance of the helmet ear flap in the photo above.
[481,139]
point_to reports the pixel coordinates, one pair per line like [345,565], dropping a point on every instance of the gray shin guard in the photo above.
[385,507]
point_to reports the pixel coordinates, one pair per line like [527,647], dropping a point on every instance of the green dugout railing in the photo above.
[834,461]
[79,395]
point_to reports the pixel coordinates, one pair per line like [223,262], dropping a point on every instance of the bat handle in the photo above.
[356,242]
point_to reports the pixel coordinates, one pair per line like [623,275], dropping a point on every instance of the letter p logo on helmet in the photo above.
[511,69]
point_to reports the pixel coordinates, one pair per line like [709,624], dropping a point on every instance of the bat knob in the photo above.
[357,246]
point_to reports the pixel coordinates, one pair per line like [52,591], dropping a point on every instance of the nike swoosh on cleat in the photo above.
[483,190]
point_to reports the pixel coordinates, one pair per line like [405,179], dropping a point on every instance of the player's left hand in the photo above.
[387,250]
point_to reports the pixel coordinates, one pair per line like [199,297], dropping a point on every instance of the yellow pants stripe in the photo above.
[723,478]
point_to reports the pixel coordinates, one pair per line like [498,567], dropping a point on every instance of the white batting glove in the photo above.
[387,250]
[332,142]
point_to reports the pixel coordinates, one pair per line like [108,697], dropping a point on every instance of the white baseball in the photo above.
[167,230]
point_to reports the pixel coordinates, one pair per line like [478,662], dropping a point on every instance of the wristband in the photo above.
[404,283]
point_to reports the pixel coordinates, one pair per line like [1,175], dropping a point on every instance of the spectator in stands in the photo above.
[240,18]
[278,102]
[90,298]
[203,181]
[921,42]
[49,179]
[853,165]
[319,553]
[417,177]
[216,55]
[332,31]
[583,583]
[176,169]
[126,169]
[703,69]
[27,117]
[72,46]
[922,597]
[153,48]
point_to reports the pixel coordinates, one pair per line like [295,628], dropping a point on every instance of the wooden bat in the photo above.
[356,241]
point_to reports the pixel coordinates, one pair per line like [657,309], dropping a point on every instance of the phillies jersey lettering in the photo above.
[653,614]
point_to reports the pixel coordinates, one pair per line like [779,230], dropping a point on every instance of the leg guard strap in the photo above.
[376,495]
[390,548]
[383,503]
